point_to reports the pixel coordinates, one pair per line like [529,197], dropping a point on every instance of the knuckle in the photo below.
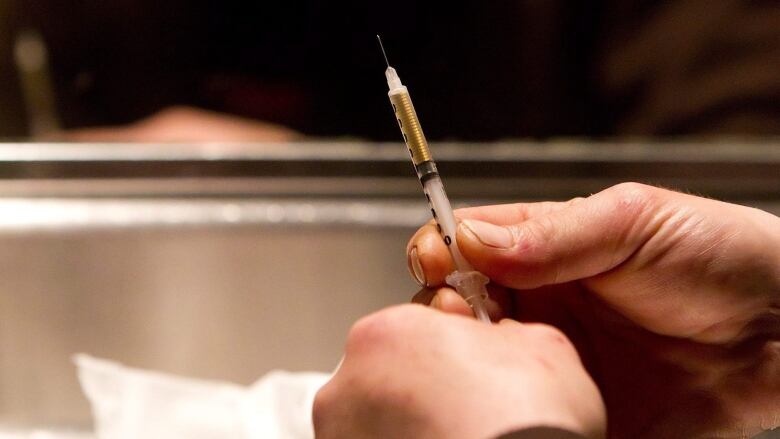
[367,332]
[382,327]
[631,205]
[632,196]
[535,255]
[535,239]
[548,335]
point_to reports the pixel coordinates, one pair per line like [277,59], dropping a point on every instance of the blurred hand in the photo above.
[673,301]
[184,124]
[411,372]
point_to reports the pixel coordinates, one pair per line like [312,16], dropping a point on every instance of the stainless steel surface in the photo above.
[562,169]
[224,261]
[57,215]
[217,302]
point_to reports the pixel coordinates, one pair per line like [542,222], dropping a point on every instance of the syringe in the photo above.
[468,282]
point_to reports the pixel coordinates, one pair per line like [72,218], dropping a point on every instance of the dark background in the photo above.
[478,70]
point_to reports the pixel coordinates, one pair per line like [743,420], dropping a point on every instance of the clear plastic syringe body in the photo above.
[468,282]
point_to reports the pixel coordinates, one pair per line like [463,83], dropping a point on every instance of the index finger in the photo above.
[507,214]
[428,258]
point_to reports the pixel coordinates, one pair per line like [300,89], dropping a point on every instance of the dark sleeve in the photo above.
[541,433]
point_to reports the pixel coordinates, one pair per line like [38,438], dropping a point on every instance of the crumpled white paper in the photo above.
[130,404]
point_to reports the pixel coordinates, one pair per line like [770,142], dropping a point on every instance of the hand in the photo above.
[673,301]
[411,372]
[184,124]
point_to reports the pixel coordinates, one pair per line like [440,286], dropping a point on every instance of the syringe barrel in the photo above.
[427,172]
[445,220]
[469,283]
[410,125]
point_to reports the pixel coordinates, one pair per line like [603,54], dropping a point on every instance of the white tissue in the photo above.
[130,403]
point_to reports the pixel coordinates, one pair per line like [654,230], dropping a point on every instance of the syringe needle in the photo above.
[381,46]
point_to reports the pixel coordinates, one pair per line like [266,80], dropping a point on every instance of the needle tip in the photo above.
[382,46]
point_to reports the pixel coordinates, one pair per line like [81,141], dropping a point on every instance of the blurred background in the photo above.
[478,71]
[217,189]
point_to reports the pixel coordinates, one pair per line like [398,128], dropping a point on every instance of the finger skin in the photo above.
[583,239]
[443,299]
[432,253]
[507,214]
[447,300]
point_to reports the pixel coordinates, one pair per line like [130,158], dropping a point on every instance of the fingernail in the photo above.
[417,270]
[489,234]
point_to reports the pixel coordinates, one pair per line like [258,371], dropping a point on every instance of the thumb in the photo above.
[582,240]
